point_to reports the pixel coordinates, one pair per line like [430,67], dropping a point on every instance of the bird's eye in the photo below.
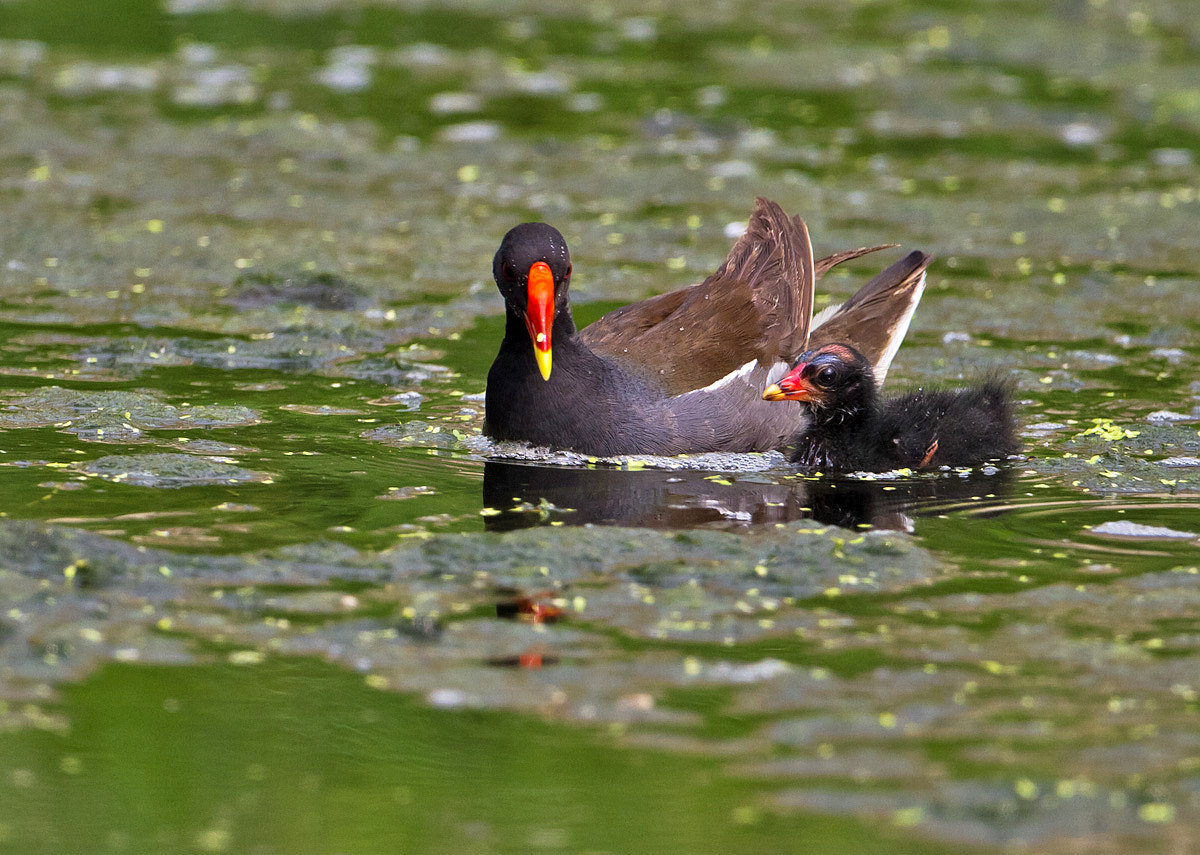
[507,269]
[826,376]
[569,269]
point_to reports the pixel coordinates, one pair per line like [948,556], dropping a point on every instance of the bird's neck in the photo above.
[850,417]
[838,438]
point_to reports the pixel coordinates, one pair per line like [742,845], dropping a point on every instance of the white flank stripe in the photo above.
[736,374]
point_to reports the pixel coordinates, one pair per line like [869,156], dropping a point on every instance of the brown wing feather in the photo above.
[622,330]
[750,308]
[878,314]
[824,265]
[613,331]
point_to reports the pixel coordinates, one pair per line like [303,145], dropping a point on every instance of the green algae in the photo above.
[169,470]
[283,215]
[114,417]
[426,623]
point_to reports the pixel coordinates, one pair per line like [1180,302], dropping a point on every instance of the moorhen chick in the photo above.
[853,429]
[680,372]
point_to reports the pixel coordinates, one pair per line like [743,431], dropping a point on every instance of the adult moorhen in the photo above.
[680,372]
[852,429]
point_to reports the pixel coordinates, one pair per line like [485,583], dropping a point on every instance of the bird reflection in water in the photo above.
[523,495]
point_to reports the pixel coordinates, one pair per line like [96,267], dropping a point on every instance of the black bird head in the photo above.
[835,380]
[532,269]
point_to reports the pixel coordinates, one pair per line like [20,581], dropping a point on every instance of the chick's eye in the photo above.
[825,376]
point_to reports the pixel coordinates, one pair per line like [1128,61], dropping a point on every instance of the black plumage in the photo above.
[681,372]
[853,429]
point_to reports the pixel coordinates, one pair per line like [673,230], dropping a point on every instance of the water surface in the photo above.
[260,590]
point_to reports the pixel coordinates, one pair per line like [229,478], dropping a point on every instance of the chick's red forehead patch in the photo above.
[839,350]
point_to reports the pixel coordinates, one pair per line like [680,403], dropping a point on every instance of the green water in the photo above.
[299,758]
[260,590]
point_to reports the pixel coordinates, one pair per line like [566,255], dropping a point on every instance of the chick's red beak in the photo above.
[539,314]
[792,387]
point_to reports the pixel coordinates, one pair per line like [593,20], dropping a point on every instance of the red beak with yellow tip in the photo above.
[539,314]
[792,387]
